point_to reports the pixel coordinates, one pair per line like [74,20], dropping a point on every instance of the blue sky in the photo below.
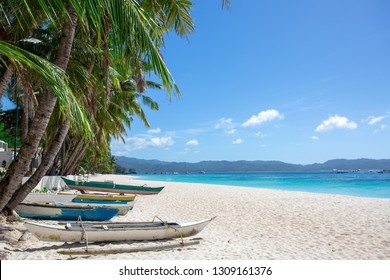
[295,81]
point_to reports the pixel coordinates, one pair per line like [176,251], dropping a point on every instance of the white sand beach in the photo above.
[251,224]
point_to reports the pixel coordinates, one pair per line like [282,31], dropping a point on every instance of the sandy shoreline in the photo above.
[251,224]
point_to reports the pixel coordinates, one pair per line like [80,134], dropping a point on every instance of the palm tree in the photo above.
[120,28]
[21,163]
[132,35]
[9,72]
[132,73]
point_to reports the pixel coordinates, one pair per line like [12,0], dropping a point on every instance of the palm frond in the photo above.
[178,16]
[54,77]
[130,24]
[150,103]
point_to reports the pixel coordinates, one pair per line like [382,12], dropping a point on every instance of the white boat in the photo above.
[109,231]
[49,197]
[67,200]
[60,211]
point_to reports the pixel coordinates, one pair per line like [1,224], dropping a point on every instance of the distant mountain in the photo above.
[142,166]
[354,164]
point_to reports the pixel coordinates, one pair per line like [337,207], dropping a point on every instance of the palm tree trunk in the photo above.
[6,77]
[24,120]
[71,159]
[29,102]
[21,164]
[19,167]
[79,157]
[46,163]
[53,168]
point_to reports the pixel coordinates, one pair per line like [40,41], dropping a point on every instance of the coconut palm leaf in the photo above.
[54,77]
[132,26]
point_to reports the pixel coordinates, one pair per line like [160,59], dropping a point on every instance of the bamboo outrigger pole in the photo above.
[90,251]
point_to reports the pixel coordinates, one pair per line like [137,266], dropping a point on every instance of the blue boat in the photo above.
[65,212]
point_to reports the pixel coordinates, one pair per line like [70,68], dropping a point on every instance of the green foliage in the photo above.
[7,128]
[97,161]
[119,169]
[5,135]
[55,78]
[132,171]
[117,43]
[44,190]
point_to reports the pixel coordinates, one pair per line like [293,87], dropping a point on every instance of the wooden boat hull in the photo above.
[111,187]
[64,212]
[49,197]
[122,208]
[104,198]
[109,232]
[69,200]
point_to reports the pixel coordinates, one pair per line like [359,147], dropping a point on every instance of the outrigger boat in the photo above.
[109,231]
[101,198]
[47,211]
[49,197]
[122,208]
[110,187]
[72,200]
[104,198]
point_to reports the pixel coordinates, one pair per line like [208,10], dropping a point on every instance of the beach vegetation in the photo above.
[44,190]
[6,134]
[8,128]
[81,67]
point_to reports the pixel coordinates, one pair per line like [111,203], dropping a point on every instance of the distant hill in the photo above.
[142,166]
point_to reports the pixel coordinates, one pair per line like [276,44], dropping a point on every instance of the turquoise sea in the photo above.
[363,184]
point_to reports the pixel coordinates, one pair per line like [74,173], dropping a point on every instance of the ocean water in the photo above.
[363,184]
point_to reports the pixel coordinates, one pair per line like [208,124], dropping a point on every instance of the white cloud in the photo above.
[260,134]
[231,131]
[224,123]
[192,142]
[315,138]
[194,131]
[382,127]
[375,120]
[262,117]
[238,141]
[336,122]
[371,120]
[140,143]
[154,131]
